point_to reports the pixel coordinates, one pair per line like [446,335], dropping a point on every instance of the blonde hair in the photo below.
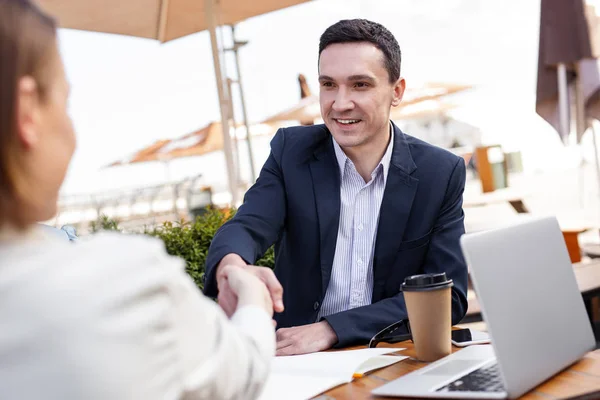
[27,45]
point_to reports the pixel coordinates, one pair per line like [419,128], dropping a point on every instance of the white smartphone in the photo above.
[467,337]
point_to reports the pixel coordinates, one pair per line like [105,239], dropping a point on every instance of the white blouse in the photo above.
[116,317]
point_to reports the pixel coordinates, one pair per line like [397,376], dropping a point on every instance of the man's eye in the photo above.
[361,84]
[327,84]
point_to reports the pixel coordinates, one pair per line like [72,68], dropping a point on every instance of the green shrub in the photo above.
[190,241]
[104,223]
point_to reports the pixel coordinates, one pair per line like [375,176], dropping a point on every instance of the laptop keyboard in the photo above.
[485,379]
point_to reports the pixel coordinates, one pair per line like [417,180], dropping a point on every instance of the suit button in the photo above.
[316,305]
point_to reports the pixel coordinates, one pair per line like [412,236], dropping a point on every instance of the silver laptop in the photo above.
[534,312]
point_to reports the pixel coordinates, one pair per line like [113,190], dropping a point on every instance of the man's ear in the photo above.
[27,111]
[399,87]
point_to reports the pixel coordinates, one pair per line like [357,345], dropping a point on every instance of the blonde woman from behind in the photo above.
[113,317]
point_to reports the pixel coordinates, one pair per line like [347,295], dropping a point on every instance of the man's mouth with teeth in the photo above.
[347,121]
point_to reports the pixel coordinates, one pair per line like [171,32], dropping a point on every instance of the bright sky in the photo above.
[128,92]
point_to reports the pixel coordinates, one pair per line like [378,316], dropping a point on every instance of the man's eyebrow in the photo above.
[325,78]
[352,78]
[367,78]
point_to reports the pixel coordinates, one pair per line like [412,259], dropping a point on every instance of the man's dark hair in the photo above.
[362,30]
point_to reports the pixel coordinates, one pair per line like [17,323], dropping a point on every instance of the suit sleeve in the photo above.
[257,223]
[444,255]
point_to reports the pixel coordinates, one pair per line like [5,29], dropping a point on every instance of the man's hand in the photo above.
[227,298]
[248,288]
[305,339]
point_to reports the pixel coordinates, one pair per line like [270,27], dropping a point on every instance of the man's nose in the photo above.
[343,101]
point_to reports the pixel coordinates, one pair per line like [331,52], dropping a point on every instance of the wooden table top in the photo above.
[580,379]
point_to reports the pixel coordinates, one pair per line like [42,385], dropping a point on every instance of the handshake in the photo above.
[241,284]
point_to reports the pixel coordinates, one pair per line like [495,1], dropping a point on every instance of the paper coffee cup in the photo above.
[429,306]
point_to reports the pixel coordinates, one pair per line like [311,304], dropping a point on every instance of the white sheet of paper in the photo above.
[342,364]
[378,362]
[297,387]
[304,376]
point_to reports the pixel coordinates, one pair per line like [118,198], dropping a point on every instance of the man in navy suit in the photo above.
[353,206]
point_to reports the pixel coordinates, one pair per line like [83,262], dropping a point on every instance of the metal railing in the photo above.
[138,206]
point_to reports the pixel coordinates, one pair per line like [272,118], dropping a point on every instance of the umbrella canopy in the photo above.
[161,20]
[422,109]
[570,39]
[304,88]
[308,108]
[197,143]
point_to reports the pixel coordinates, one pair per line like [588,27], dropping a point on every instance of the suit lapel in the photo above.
[399,193]
[326,184]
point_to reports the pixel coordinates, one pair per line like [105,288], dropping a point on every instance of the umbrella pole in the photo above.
[579,113]
[243,103]
[563,101]
[593,126]
[223,101]
[236,142]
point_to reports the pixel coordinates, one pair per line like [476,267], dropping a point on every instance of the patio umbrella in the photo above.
[304,93]
[568,80]
[304,88]
[203,141]
[165,20]
[308,108]
[422,109]
[568,72]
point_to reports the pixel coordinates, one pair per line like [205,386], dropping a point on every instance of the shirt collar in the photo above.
[342,158]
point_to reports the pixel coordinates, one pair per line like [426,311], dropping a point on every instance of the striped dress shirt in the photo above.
[351,283]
